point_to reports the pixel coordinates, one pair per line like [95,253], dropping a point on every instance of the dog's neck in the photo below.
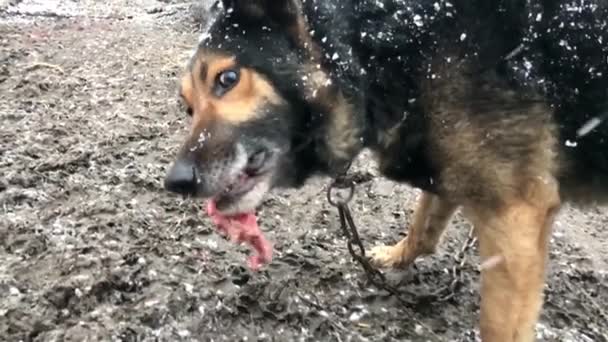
[339,94]
[357,115]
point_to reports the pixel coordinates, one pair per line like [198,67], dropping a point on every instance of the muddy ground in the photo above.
[92,248]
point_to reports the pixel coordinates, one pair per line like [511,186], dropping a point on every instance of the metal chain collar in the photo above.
[357,250]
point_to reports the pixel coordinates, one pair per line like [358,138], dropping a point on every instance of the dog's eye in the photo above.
[225,81]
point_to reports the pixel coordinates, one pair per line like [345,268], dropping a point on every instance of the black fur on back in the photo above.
[557,49]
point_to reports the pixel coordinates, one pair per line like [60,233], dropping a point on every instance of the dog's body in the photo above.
[492,106]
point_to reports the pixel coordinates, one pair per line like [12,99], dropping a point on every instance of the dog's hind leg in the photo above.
[430,220]
[516,237]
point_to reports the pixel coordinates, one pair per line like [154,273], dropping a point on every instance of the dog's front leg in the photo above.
[430,220]
[513,242]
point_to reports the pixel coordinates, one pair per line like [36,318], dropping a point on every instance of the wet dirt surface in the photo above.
[92,248]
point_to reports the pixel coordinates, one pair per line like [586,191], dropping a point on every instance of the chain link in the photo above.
[355,245]
[448,292]
[357,250]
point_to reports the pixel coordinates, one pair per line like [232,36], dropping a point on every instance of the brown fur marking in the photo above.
[519,232]
[300,33]
[240,104]
[343,136]
[482,156]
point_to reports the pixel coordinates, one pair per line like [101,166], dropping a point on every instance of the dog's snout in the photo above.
[183,177]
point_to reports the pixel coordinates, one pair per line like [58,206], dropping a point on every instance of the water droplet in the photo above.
[589,126]
[571,143]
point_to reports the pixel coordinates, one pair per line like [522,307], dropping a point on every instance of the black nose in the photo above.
[183,178]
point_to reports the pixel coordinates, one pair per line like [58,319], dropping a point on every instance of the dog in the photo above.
[494,107]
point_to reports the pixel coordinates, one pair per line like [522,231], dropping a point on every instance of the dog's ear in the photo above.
[280,12]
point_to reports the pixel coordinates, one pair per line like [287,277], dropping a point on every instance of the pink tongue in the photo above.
[243,228]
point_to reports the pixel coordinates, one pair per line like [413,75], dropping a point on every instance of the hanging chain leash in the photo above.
[357,250]
[448,292]
[350,231]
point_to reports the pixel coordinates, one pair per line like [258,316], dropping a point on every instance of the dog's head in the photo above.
[259,103]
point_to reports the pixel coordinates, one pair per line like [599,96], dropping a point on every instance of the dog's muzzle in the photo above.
[183,177]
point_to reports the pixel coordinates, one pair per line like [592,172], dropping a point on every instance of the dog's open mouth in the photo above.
[233,210]
[236,192]
[241,186]
[242,228]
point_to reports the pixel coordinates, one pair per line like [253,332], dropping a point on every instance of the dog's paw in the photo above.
[387,256]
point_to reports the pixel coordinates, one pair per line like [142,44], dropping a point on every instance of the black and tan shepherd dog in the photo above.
[497,107]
